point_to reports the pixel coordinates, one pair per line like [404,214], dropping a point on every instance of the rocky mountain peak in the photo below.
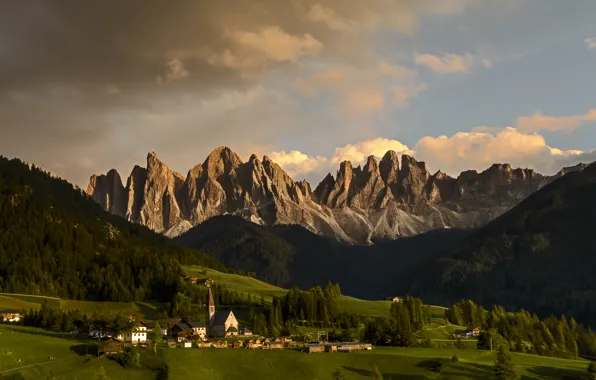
[393,197]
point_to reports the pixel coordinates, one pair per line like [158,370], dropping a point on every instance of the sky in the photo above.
[459,84]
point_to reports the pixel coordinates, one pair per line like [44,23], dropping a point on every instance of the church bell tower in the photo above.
[210,312]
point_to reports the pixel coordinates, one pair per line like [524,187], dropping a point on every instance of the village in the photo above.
[220,331]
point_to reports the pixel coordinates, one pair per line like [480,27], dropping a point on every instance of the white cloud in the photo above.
[479,150]
[539,122]
[447,63]
[487,63]
[590,42]
[454,154]
[357,153]
[296,163]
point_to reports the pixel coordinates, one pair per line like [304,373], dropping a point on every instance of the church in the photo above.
[221,323]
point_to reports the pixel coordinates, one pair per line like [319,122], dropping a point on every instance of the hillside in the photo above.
[539,256]
[288,256]
[55,241]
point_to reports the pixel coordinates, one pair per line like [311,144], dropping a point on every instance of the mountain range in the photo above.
[386,199]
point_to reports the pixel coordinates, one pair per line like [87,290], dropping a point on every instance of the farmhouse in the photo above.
[221,323]
[11,317]
[137,335]
[110,346]
[471,332]
[394,299]
[186,329]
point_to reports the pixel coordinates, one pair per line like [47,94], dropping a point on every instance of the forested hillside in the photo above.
[290,255]
[56,241]
[539,256]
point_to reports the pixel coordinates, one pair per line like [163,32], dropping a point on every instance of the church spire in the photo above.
[210,310]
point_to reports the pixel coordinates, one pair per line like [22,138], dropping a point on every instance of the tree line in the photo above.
[525,332]
[56,241]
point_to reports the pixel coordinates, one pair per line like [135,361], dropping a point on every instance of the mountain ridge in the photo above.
[384,199]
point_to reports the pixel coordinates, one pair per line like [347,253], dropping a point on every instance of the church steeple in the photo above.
[210,310]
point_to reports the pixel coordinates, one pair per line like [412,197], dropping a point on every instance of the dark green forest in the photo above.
[290,255]
[540,256]
[56,241]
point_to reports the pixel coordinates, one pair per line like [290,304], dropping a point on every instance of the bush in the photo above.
[454,359]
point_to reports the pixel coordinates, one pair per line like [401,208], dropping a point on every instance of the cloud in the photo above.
[445,64]
[539,122]
[176,70]
[454,154]
[296,163]
[361,102]
[402,94]
[590,43]
[479,150]
[299,164]
[357,153]
[327,16]
[253,50]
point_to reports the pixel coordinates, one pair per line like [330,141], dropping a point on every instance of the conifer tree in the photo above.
[504,369]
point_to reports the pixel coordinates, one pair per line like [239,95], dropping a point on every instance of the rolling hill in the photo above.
[539,256]
[55,241]
[290,255]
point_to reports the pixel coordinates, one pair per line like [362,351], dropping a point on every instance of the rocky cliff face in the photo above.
[381,200]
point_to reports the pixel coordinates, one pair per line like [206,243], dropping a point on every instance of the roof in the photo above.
[210,299]
[245,329]
[232,329]
[196,324]
[221,316]
[183,326]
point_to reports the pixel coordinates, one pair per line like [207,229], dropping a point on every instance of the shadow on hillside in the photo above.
[14,376]
[386,376]
[558,373]
[84,349]
[470,371]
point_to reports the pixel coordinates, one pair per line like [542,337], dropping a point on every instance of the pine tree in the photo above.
[503,367]
[592,371]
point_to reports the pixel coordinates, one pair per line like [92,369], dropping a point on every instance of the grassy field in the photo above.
[258,288]
[144,310]
[392,363]
[34,346]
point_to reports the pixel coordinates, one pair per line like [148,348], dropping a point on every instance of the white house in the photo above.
[186,344]
[137,335]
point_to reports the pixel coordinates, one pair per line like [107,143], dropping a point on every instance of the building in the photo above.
[277,345]
[221,323]
[315,348]
[394,299]
[468,333]
[200,281]
[353,346]
[186,329]
[163,327]
[137,335]
[186,344]
[110,346]
[244,331]
[11,317]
